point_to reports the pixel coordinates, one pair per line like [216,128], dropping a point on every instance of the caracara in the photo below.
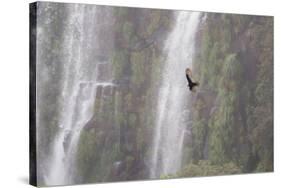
[192,85]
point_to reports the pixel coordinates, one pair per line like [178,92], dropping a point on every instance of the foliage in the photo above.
[235,66]
[121,132]
[205,168]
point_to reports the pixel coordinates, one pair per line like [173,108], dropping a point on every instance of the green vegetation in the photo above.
[234,132]
[205,168]
[231,113]
[116,145]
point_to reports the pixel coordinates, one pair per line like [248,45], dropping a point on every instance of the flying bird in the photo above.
[192,85]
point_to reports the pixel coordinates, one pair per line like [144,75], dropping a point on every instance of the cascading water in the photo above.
[76,81]
[81,79]
[173,97]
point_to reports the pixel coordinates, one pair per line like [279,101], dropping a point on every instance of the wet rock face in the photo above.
[99,92]
[98,125]
[104,72]
[90,124]
[67,138]
[104,91]
[103,118]
[108,91]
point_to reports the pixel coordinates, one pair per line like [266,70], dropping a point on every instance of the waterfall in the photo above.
[77,94]
[173,97]
[81,77]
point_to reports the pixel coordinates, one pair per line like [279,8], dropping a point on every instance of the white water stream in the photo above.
[78,90]
[173,97]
